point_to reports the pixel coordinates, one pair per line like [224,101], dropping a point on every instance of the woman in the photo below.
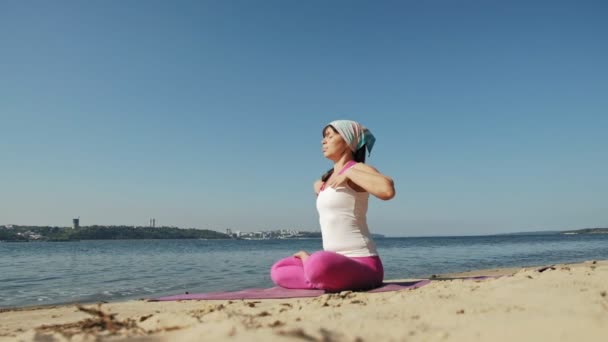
[349,260]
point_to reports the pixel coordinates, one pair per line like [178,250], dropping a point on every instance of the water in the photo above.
[40,273]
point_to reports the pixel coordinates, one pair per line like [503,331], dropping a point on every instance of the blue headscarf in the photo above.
[355,135]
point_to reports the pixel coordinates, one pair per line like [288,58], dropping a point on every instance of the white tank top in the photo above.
[343,220]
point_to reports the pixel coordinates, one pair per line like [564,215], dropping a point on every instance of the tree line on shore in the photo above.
[47,233]
[587,231]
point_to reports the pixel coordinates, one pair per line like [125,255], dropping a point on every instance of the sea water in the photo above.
[40,273]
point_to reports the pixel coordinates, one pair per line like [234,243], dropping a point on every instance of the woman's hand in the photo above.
[372,181]
[337,181]
[302,255]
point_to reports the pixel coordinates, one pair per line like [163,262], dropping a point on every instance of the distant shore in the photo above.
[566,302]
[15,233]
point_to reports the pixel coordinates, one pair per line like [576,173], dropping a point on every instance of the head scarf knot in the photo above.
[355,135]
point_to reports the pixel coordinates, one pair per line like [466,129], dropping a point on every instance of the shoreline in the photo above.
[562,302]
[495,271]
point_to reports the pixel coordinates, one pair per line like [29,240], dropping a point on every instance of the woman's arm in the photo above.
[371,180]
[317,186]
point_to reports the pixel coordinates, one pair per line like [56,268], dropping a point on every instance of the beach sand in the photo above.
[562,303]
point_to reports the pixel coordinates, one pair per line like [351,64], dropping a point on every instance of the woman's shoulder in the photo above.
[366,167]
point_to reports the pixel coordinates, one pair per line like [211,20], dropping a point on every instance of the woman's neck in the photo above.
[340,163]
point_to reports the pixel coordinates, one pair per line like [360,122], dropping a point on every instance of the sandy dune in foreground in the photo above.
[561,303]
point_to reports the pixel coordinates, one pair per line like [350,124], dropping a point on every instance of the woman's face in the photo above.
[333,145]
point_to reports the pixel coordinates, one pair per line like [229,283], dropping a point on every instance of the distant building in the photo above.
[76,223]
[229,232]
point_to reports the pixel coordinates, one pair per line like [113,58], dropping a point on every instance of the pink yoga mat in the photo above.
[279,292]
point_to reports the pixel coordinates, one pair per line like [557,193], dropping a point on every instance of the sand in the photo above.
[562,303]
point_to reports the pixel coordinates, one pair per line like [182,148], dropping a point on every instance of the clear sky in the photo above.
[491,116]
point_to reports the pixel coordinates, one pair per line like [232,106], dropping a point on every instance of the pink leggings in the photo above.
[328,271]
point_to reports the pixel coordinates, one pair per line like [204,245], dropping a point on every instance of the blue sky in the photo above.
[490,116]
